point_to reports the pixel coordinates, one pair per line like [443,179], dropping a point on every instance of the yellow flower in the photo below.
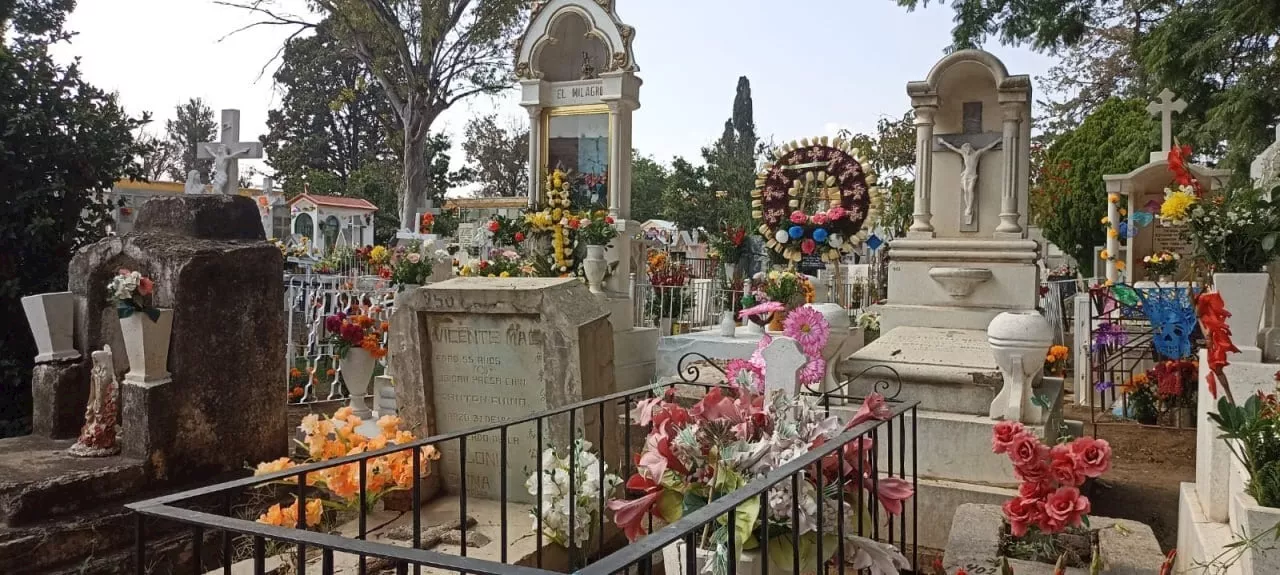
[1106,220]
[1124,212]
[1120,266]
[1113,198]
[378,254]
[1177,205]
[504,275]
[1112,233]
[1104,254]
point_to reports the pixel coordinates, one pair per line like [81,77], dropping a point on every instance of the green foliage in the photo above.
[1045,24]
[648,180]
[1256,426]
[193,124]
[1117,138]
[731,162]
[687,199]
[64,144]
[891,153]
[497,157]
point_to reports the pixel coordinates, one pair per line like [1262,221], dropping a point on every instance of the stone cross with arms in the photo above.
[971,144]
[226,154]
[1166,108]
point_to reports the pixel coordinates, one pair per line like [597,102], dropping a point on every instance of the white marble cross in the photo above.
[1166,108]
[784,359]
[226,154]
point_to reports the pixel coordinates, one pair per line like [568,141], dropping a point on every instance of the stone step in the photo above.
[40,481]
[943,369]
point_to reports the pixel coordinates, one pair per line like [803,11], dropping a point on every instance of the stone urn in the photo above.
[357,370]
[595,267]
[1019,341]
[52,320]
[146,343]
[1244,296]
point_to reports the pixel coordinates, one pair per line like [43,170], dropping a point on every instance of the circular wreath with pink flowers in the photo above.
[815,198]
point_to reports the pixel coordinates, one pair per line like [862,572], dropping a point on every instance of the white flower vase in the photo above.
[1244,296]
[1019,341]
[676,562]
[729,271]
[594,267]
[727,325]
[52,320]
[357,369]
[146,343]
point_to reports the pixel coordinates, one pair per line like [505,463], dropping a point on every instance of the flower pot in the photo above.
[1244,296]
[1019,341]
[727,325]
[676,562]
[664,325]
[730,270]
[357,369]
[146,343]
[594,267]
[52,320]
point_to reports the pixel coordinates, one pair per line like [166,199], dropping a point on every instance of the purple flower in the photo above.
[1109,335]
[1102,386]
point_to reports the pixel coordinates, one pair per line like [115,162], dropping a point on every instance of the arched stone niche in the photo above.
[571,40]
[561,30]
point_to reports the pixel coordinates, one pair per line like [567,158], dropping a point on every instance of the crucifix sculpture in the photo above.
[970,145]
[1166,108]
[227,153]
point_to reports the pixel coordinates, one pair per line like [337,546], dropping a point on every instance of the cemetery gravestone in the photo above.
[480,352]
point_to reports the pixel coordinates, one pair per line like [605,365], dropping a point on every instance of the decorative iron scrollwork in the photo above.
[692,372]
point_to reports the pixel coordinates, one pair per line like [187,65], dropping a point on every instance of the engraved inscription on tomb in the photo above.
[487,370]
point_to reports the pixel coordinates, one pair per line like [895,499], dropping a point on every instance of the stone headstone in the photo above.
[214,217]
[480,352]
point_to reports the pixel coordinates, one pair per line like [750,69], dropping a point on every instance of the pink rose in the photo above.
[1065,507]
[1063,467]
[819,218]
[1093,456]
[798,217]
[1004,434]
[1035,472]
[1021,513]
[1033,490]
[1025,450]
[835,213]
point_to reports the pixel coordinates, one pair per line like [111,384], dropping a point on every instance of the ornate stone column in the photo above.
[616,170]
[1113,243]
[535,155]
[1012,114]
[923,215]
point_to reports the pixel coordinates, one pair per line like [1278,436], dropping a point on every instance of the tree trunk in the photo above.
[417,126]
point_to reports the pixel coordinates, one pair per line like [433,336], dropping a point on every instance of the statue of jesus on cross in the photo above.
[969,158]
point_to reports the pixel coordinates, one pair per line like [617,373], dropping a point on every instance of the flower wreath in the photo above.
[805,173]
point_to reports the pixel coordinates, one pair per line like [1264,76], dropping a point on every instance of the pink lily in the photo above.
[873,407]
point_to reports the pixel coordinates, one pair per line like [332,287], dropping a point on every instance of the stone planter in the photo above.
[1019,342]
[146,343]
[676,562]
[1244,296]
[357,369]
[595,267]
[1254,520]
[52,320]
[1127,547]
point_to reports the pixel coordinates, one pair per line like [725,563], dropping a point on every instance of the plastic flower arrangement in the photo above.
[356,331]
[591,478]
[1232,230]
[504,264]
[735,434]
[335,436]
[1177,205]
[426,223]
[597,229]
[787,288]
[728,242]
[1049,499]
[1055,362]
[1162,263]
[807,326]
[669,299]
[131,291]
[409,266]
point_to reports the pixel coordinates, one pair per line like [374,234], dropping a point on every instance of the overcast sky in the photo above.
[815,65]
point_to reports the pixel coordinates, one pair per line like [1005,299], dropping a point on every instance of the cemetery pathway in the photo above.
[1148,464]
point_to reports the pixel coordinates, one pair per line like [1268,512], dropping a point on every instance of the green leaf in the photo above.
[693,502]
[152,313]
[671,505]
[744,519]
[782,553]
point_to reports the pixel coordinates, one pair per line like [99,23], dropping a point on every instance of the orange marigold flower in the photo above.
[386,326]
[295,372]
[330,372]
[273,466]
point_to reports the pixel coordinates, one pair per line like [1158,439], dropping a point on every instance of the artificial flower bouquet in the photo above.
[503,264]
[808,327]
[408,266]
[132,292]
[1162,263]
[735,434]
[427,222]
[727,244]
[591,477]
[339,487]
[1055,362]
[596,228]
[789,289]
[356,331]
[669,298]
[1049,503]
[502,231]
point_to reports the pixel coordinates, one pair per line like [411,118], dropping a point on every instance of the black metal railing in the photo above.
[221,537]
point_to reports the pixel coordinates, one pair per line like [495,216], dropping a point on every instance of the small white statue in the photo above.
[98,437]
[221,158]
[194,185]
[969,158]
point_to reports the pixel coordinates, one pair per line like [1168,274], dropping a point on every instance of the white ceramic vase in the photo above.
[1019,341]
[727,325]
[676,562]
[146,343]
[1244,296]
[52,320]
[729,271]
[594,267]
[357,369]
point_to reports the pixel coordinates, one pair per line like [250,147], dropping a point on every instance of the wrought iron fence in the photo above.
[698,305]
[312,369]
[221,537]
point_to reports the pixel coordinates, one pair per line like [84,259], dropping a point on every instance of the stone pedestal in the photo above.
[212,266]
[59,390]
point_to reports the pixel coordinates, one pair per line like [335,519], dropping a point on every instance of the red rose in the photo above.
[493,226]
[1063,467]
[145,286]
[1065,507]
[1033,490]
[1004,434]
[1035,472]
[608,219]
[1025,450]
[519,236]
[1093,456]
[1021,513]
[574,223]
